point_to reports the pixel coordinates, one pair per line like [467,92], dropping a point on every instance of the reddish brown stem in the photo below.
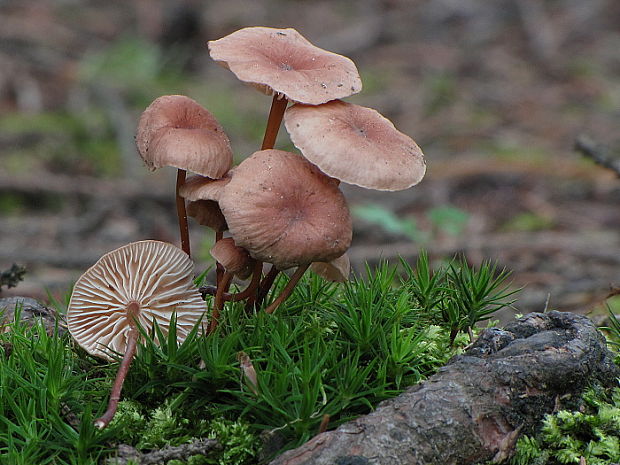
[254,286]
[218,304]
[265,285]
[276,113]
[182,213]
[247,292]
[250,291]
[286,292]
[123,369]
[219,269]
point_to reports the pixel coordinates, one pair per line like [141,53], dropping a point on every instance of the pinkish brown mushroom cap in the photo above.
[176,131]
[202,194]
[282,61]
[337,270]
[356,145]
[284,211]
[142,281]
[202,188]
[234,259]
[207,213]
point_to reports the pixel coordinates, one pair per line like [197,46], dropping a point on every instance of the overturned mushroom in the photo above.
[137,284]
[284,63]
[356,145]
[176,131]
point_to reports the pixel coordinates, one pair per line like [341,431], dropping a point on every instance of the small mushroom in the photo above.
[236,261]
[207,213]
[356,145]
[134,285]
[176,131]
[203,194]
[203,188]
[284,63]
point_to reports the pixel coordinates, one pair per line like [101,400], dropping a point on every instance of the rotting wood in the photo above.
[476,407]
[128,455]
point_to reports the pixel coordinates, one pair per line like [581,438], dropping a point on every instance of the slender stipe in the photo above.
[218,303]
[276,113]
[182,213]
[286,292]
[121,374]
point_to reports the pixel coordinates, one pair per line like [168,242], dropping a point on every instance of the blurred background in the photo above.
[495,93]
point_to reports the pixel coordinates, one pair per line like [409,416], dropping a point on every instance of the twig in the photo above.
[127,454]
[590,149]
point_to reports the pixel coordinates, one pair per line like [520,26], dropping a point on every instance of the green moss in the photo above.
[329,350]
[593,432]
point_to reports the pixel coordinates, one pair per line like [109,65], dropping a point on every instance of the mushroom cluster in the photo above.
[278,207]
[275,207]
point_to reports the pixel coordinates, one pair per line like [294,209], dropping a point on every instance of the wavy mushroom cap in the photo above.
[283,61]
[202,188]
[202,194]
[142,281]
[356,145]
[234,259]
[207,213]
[176,131]
[285,211]
[337,270]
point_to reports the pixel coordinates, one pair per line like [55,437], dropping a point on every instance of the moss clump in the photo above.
[154,429]
[592,432]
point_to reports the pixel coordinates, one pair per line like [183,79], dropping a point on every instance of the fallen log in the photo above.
[474,408]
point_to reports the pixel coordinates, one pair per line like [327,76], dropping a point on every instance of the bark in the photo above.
[475,407]
[127,455]
[30,311]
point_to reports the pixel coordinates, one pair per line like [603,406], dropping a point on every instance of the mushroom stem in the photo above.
[219,269]
[266,284]
[252,287]
[182,213]
[123,369]
[286,292]
[218,304]
[276,113]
